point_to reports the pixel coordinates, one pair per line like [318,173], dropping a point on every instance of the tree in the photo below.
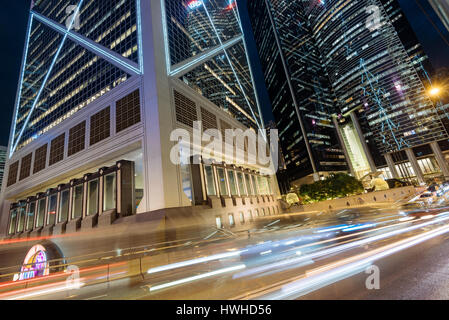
[337,185]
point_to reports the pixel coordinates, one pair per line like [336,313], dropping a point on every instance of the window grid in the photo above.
[40,159]
[100,126]
[25,167]
[185,109]
[209,119]
[13,171]
[128,111]
[77,138]
[57,149]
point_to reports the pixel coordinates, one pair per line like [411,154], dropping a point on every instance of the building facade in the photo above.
[103,86]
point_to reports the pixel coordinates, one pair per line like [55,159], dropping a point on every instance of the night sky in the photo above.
[13,23]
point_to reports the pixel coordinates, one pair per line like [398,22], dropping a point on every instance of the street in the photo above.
[328,256]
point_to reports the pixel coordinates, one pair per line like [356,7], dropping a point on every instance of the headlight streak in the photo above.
[350,245]
[198,277]
[359,227]
[340,270]
[368,240]
[253,271]
[60,288]
[195,261]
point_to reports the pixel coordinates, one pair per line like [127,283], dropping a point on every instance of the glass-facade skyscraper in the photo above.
[298,85]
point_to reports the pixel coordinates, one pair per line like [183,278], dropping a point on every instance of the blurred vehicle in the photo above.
[412,206]
[428,197]
[445,184]
[348,214]
[396,183]
[434,187]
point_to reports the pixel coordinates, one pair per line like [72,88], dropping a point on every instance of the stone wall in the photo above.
[372,198]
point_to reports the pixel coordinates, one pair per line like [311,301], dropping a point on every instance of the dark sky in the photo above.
[13,23]
[435,46]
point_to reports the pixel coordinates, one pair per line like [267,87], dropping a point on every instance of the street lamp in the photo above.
[435,91]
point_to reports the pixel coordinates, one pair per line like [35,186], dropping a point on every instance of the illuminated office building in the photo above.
[298,86]
[102,86]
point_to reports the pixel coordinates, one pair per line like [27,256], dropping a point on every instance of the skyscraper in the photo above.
[372,63]
[103,87]
[301,96]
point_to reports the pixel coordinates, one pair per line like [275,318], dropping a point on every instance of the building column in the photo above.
[343,145]
[412,158]
[391,165]
[440,159]
[359,131]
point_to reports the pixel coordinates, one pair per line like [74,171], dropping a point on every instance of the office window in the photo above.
[100,126]
[110,192]
[21,219]
[255,191]
[218,222]
[248,184]
[242,217]
[231,220]
[64,206]
[128,111]
[92,197]
[30,216]
[241,183]
[222,182]
[25,167]
[232,182]
[77,138]
[210,181]
[41,213]
[51,212]
[40,159]
[12,221]
[57,149]
[13,171]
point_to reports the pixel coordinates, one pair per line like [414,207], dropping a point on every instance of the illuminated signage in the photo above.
[34,265]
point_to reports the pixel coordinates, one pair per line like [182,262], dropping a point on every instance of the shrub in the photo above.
[337,185]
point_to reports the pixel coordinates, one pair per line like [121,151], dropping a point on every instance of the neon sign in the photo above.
[35,264]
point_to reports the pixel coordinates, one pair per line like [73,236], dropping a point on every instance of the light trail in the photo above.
[198,277]
[340,270]
[195,261]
